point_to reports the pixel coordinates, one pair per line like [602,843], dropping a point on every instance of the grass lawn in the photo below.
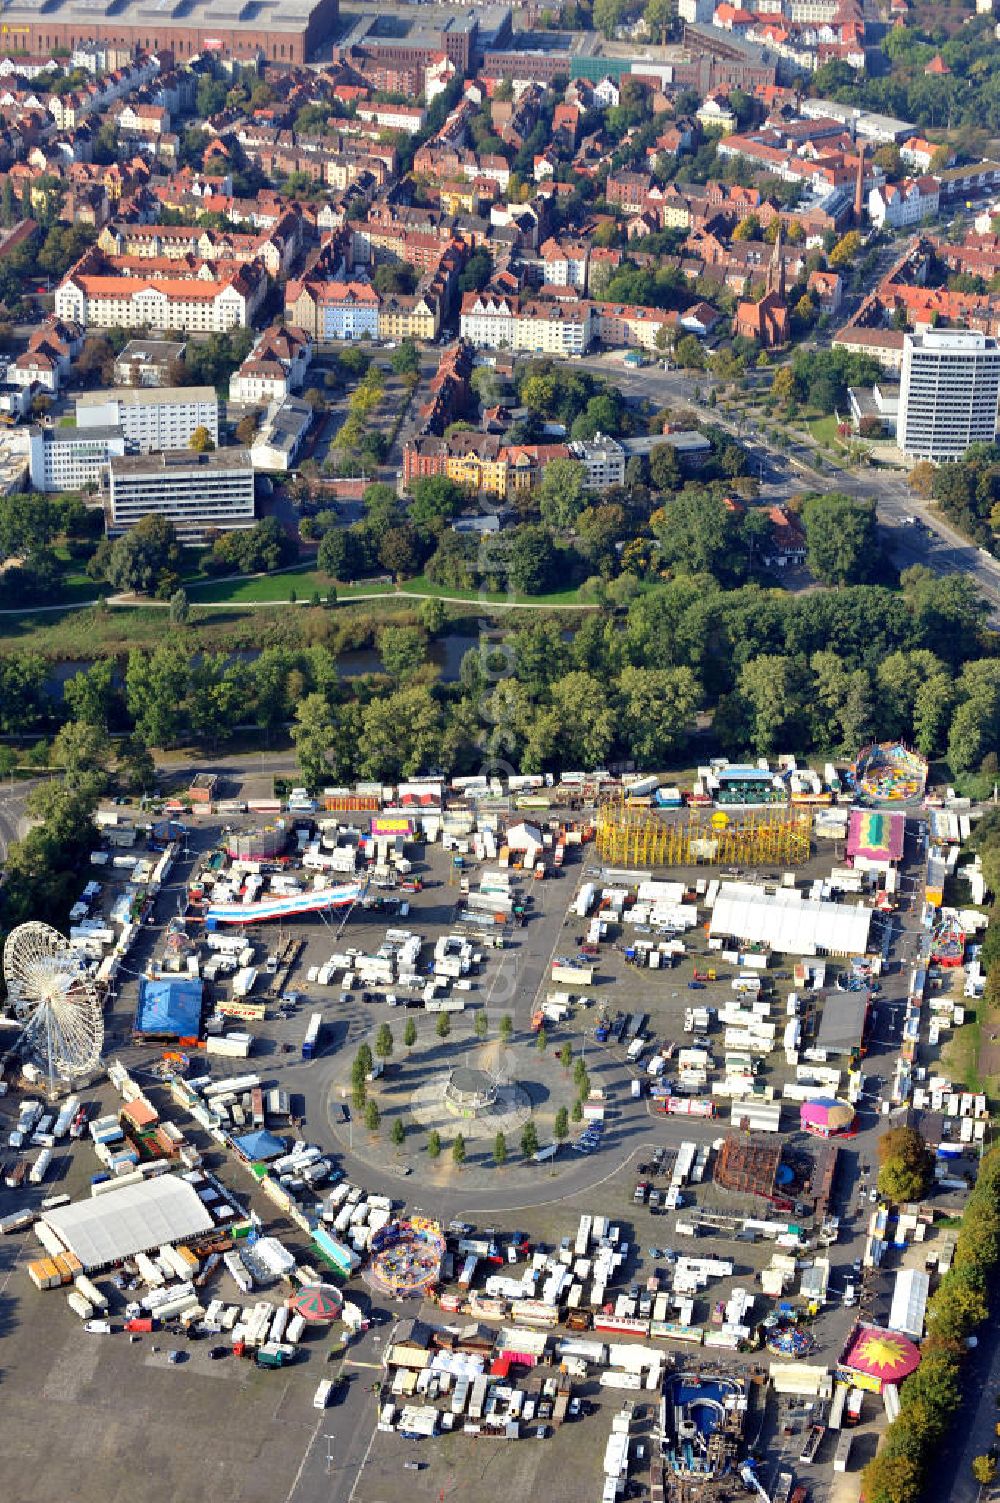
[960,1055]
[824,430]
[422,586]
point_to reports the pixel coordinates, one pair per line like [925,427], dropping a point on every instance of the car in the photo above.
[575,1409]
[174,1357]
[216,1353]
[640,1193]
[345,1113]
[541,1432]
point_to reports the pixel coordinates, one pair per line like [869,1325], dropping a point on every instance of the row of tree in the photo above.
[931,1396]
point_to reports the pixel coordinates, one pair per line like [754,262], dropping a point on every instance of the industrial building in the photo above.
[948,393]
[198,492]
[281,31]
[152,418]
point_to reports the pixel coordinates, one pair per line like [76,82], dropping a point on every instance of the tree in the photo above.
[531,561]
[201,440]
[384,1042]
[359,1095]
[697,533]
[433,615]
[846,249]
[373,1117]
[659,16]
[906,1165]
[89,695]
[481,1023]
[82,751]
[156,686]
[576,1110]
[246,429]
[580,1076]
[409,1033]
[506,1028]
[541,1040]
[148,551]
[403,650]
[560,1126]
[984,1469]
[443,1027]
[180,610]
[607,16]
[566,1055]
[529,1139]
[405,358]
[398,1133]
[341,554]
[561,493]
[658,707]
[892,1479]
[499,1150]
[841,537]
[664,468]
[458,1150]
[433,1144]
[312,737]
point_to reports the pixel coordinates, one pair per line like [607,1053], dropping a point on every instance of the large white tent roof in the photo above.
[134,1218]
[788,922]
[909,1302]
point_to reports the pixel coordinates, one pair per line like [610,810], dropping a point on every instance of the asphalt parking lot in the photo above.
[89,1417]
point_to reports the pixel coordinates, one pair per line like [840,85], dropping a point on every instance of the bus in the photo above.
[312,1036]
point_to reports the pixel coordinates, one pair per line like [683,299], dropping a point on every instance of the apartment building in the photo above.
[200,493]
[948,393]
[333,310]
[603,460]
[197,306]
[509,323]
[152,418]
[148,362]
[71,459]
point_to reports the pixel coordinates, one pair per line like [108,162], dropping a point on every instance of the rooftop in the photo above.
[179,462]
[229,15]
[147,396]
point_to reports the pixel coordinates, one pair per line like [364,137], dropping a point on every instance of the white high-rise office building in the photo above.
[948,393]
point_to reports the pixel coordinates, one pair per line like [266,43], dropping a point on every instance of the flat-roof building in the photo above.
[948,393]
[200,493]
[69,459]
[151,418]
[148,362]
[282,31]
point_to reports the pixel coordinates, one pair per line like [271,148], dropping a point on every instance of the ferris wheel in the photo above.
[53,1000]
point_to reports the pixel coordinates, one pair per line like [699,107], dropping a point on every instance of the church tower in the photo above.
[776,270]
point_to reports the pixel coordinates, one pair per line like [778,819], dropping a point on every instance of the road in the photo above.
[931,541]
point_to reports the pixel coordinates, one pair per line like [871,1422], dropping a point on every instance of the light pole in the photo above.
[329,1452]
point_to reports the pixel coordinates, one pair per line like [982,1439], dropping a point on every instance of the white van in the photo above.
[322,1395]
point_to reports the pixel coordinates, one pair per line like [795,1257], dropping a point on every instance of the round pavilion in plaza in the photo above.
[468,1091]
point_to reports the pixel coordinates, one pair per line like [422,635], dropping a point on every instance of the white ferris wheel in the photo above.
[54,1001]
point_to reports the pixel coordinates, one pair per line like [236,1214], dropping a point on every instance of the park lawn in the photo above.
[824,430]
[421,585]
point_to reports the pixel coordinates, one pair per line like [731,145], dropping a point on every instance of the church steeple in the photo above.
[776,270]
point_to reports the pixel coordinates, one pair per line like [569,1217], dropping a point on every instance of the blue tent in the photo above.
[258,1146]
[169,1007]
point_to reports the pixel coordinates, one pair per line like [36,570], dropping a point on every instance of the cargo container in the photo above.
[91,1293]
[842,1455]
[79,1305]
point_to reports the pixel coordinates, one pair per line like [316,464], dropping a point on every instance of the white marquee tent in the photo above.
[789,923]
[135,1218]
